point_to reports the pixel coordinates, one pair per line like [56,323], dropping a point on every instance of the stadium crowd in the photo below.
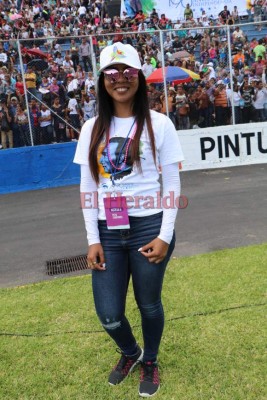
[58,63]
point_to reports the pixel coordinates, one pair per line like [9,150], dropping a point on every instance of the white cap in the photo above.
[119,53]
[210,64]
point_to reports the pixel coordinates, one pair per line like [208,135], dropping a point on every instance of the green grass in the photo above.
[213,346]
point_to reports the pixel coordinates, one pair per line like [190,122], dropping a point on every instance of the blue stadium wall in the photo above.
[39,167]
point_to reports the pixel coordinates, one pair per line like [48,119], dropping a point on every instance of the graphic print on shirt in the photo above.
[117,156]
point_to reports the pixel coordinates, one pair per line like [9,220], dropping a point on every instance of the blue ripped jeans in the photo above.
[110,287]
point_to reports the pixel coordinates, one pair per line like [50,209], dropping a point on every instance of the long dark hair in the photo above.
[103,121]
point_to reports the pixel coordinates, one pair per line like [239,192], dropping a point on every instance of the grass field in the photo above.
[214,345]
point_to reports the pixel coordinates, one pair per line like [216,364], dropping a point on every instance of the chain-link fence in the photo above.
[198,76]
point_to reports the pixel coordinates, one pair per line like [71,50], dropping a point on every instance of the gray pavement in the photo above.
[227,208]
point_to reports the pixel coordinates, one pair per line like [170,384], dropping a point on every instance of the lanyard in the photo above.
[115,169]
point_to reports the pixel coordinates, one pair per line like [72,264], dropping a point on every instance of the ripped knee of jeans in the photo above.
[153,310]
[111,325]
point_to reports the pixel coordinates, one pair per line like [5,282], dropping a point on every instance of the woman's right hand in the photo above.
[95,257]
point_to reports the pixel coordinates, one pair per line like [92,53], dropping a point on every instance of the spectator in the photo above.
[153,94]
[30,79]
[72,84]
[224,15]
[140,16]
[92,93]
[220,104]
[238,35]
[258,13]
[58,117]
[74,52]
[12,104]
[259,100]
[44,89]
[88,106]
[167,44]
[68,64]
[80,76]
[259,66]
[3,57]
[238,103]
[85,54]
[239,59]
[204,107]
[171,104]
[54,89]
[213,55]
[54,67]
[235,15]
[21,118]
[182,108]
[5,126]
[45,121]
[188,12]
[247,93]
[19,87]
[157,106]
[58,58]
[147,67]
[35,115]
[74,116]
[163,21]
[89,82]
[82,11]
[249,7]
[259,50]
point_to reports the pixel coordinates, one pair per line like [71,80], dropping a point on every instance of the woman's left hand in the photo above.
[155,251]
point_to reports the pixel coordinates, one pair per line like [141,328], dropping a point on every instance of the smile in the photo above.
[121,89]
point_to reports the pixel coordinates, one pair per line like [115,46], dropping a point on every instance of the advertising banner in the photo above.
[174,9]
[224,146]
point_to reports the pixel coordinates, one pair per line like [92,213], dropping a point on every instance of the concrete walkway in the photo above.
[227,208]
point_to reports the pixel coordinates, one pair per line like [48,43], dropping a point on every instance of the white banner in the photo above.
[174,9]
[224,146]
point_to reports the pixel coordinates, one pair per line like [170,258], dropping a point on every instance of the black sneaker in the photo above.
[125,365]
[149,379]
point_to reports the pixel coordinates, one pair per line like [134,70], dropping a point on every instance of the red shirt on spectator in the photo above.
[140,16]
[258,66]
[19,86]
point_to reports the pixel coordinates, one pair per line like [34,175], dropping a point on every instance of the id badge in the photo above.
[116,212]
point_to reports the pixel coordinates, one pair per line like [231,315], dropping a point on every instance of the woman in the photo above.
[119,152]
[238,104]
[58,120]
[21,119]
[44,88]
[182,108]
[46,129]
[74,51]
[54,89]
[80,75]
[19,85]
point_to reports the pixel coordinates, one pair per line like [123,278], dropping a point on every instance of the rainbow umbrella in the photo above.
[172,75]
[191,73]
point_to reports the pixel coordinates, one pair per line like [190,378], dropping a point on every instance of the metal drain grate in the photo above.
[66,265]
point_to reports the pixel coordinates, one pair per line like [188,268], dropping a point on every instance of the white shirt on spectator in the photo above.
[45,114]
[261,98]
[81,10]
[147,69]
[73,85]
[3,58]
[72,106]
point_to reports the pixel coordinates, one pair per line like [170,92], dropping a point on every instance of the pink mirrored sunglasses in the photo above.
[113,75]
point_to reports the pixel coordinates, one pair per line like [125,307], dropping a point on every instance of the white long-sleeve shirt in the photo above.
[132,183]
